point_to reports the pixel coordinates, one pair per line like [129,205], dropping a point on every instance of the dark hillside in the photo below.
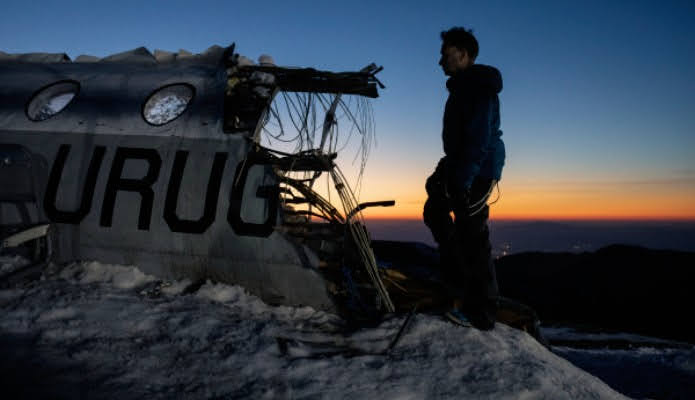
[617,288]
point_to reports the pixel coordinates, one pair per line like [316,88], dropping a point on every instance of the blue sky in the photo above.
[595,94]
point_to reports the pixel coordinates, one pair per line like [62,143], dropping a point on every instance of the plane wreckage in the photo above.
[203,167]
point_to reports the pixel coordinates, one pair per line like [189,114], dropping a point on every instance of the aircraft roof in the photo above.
[113,90]
[137,55]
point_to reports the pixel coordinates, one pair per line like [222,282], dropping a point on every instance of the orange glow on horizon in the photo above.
[581,202]
[544,218]
[544,195]
[372,217]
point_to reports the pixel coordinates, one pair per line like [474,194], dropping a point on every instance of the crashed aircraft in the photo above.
[184,165]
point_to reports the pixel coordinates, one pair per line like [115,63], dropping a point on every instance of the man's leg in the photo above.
[437,208]
[437,217]
[480,290]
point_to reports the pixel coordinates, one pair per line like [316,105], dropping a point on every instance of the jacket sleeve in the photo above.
[477,134]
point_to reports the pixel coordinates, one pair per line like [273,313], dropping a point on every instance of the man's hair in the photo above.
[462,39]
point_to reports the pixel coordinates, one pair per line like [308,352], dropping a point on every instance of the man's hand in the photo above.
[436,183]
[445,183]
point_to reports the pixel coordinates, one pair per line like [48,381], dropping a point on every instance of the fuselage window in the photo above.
[167,103]
[51,100]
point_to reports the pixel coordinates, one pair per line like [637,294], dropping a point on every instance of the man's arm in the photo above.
[477,134]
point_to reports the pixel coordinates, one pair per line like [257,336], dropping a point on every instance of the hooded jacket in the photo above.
[471,135]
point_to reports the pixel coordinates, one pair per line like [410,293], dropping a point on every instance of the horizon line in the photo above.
[545,218]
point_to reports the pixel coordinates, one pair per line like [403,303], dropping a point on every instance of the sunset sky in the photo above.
[598,106]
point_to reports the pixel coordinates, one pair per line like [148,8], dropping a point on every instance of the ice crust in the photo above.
[108,331]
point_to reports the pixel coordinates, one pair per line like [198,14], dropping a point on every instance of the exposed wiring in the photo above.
[344,116]
[360,238]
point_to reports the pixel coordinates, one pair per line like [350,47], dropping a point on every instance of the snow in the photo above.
[11,263]
[57,103]
[53,105]
[167,104]
[266,60]
[175,287]
[570,334]
[166,109]
[637,366]
[244,61]
[119,276]
[108,331]
[642,372]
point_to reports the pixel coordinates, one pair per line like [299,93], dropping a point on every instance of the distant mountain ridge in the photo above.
[518,236]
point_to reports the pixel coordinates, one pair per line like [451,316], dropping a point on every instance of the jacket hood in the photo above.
[477,77]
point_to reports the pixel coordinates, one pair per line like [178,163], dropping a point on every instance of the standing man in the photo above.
[464,178]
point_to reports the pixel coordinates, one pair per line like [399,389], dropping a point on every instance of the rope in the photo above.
[483,201]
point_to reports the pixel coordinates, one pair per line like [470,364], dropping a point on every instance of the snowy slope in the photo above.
[97,330]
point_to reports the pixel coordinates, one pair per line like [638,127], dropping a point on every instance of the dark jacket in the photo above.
[471,135]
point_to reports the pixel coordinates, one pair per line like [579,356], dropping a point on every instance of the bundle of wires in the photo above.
[301,122]
[360,238]
[300,113]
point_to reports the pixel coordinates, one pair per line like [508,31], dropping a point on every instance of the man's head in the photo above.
[459,50]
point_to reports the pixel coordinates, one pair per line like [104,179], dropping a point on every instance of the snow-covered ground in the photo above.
[636,365]
[91,330]
[643,372]
[9,264]
[578,338]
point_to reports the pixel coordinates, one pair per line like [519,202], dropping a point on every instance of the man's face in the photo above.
[454,60]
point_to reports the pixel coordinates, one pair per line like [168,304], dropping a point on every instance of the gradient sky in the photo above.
[598,106]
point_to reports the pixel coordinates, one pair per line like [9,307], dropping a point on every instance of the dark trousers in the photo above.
[464,245]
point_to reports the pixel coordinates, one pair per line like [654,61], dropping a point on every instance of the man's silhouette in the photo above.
[464,179]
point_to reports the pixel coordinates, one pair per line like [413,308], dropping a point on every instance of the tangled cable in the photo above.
[322,136]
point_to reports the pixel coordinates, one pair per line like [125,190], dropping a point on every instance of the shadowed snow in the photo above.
[9,264]
[96,330]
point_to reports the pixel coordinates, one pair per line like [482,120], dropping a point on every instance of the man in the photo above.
[464,178]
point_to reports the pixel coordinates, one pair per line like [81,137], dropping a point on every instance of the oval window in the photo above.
[167,104]
[51,100]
